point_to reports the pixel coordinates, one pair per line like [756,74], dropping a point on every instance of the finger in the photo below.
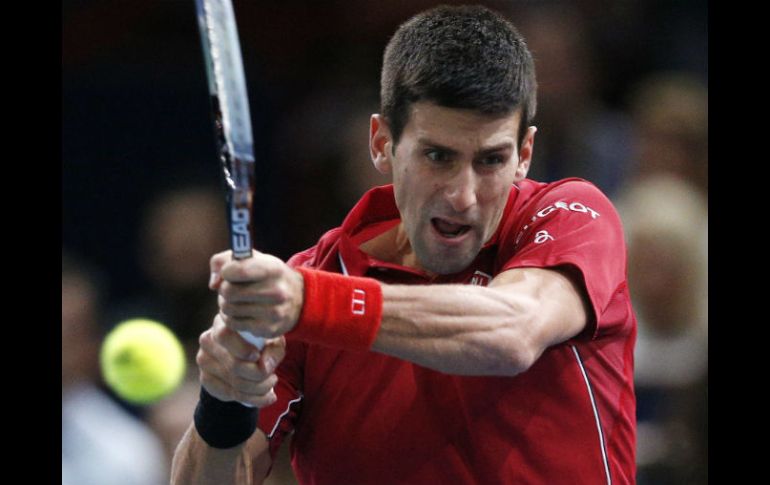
[244,316]
[266,321]
[257,389]
[215,266]
[264,291]
[272,355]
[236,385]
[216,386]
[211,344]
[253,314]
[211,365]
[262,401]
[219,345]
[224,391]
[239,310]
[257,268]
[252,324]
[232,342]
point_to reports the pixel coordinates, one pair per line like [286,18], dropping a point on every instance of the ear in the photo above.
[380,143]
[525,154]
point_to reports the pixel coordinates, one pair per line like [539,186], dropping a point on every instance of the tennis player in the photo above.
[465,324]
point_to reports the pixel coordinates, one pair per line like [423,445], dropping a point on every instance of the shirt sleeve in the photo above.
[575,225]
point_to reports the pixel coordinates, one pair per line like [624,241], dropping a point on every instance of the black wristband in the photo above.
[224,424]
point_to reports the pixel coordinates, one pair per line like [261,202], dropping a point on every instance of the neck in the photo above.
[393,246]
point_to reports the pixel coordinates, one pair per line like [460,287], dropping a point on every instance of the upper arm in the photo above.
[553,297]
[574,230]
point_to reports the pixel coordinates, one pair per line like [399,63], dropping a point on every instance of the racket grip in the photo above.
[257,342]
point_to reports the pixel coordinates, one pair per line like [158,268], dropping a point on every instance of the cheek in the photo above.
[402,196]
[412,191]
[493,198]
[493,194]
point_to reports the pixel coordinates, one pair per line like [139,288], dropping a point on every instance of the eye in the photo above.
[490,160]
[436,155]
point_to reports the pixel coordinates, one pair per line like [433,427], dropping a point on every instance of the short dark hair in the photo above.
[466,57]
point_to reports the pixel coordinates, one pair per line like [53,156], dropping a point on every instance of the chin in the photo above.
[446,263]
[447,270]
[445,257]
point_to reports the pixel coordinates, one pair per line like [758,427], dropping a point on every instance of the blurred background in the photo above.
[623,102]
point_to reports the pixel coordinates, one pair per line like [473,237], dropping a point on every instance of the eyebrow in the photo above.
[484,151]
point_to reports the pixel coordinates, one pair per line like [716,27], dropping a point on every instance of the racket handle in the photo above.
[240,252]
[257,342]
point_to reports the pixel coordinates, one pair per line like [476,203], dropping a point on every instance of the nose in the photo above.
[461,189]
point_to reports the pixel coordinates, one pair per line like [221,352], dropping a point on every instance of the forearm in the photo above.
[457,329]
[472,330]
[197,463]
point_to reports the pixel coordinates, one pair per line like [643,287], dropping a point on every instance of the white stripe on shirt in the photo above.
[596,415]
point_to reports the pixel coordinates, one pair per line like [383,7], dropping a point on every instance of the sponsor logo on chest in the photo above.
[544,236]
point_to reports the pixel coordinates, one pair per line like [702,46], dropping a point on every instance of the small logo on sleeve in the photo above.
[358,306]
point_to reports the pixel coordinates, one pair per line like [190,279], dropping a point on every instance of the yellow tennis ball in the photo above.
[142,361]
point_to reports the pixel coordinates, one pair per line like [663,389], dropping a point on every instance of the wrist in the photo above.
[338,311]
[223,424]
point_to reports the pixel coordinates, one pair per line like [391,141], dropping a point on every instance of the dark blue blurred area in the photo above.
[135,123]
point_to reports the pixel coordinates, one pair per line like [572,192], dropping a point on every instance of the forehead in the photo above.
[455,126]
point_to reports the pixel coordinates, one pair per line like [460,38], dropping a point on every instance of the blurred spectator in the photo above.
[328,168]
[665,219]
[181,229]
[670,113]
[579,135]
[357,172]
[101,442]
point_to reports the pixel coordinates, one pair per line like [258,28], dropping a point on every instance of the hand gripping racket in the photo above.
[232,123]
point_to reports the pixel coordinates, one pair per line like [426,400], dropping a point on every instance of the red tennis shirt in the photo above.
[367,418]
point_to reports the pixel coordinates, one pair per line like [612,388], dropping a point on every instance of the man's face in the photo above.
[452,172]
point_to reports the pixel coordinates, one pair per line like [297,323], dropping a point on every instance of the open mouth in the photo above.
[448,229]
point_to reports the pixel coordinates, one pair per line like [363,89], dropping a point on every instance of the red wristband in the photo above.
[339,311]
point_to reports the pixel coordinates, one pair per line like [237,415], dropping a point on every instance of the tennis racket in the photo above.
[232,122]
